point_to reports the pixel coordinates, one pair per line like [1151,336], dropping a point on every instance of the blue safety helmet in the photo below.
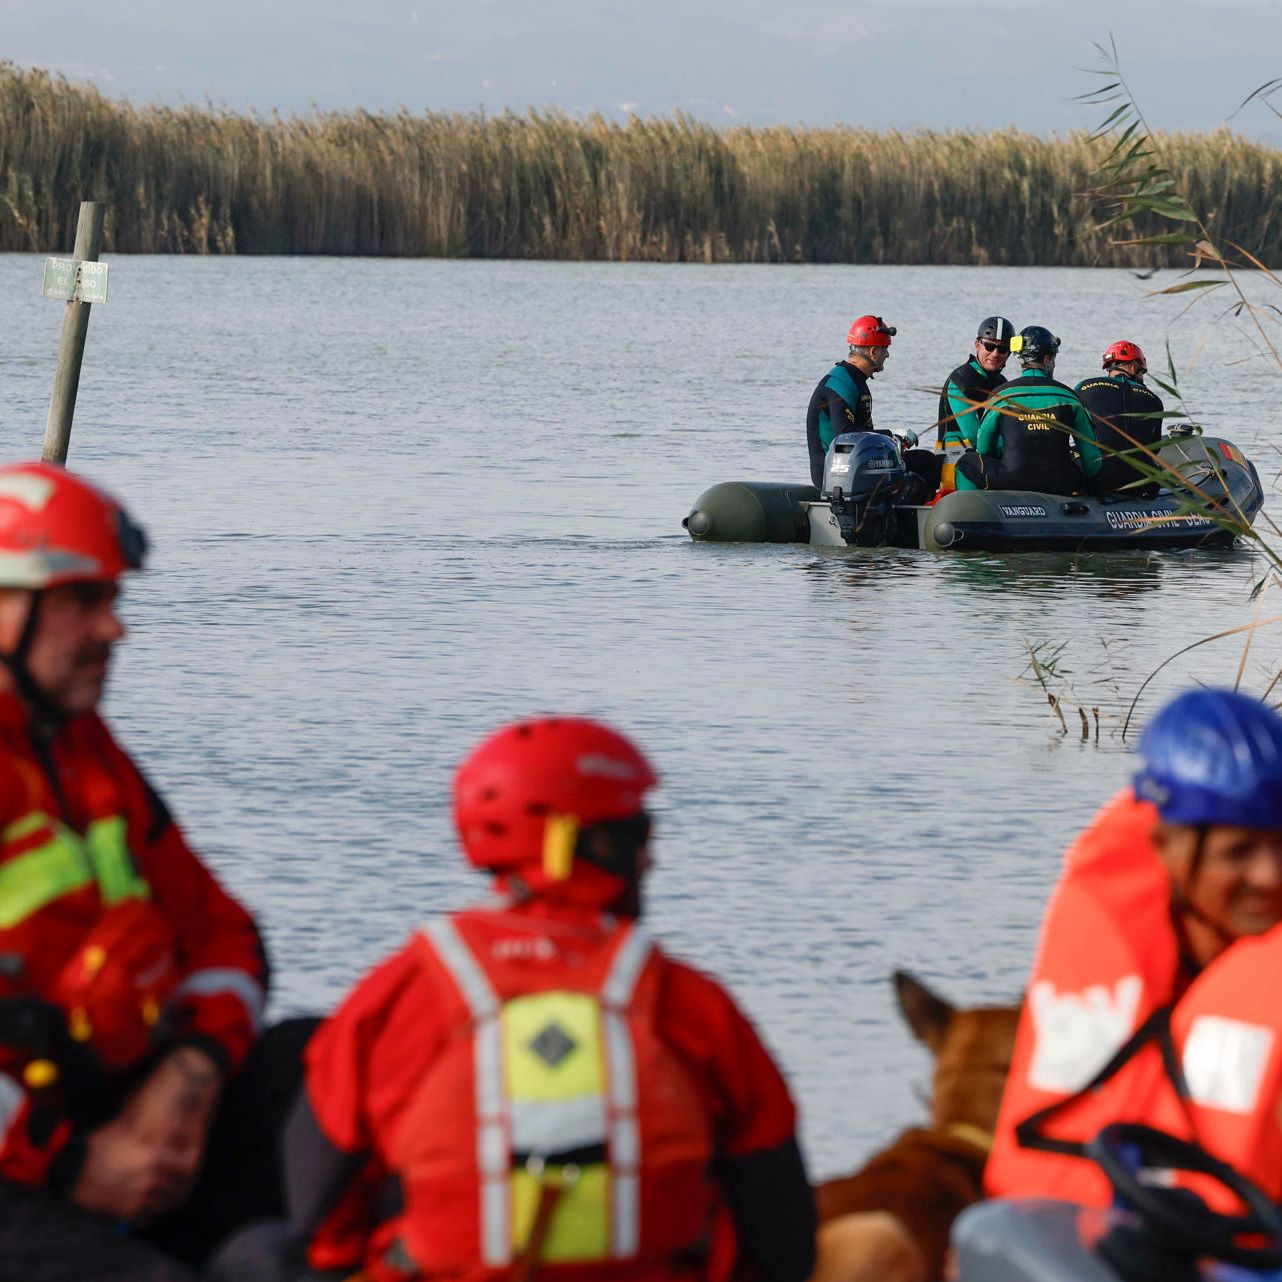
[1213,757]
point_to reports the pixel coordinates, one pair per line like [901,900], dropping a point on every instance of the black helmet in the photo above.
[997,329]
[1033,342]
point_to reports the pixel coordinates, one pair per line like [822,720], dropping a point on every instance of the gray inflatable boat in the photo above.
[865,474]
[1158,1230]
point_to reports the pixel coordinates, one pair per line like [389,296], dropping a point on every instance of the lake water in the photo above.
[395,504]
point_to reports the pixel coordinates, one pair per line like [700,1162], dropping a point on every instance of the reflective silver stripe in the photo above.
[625,1225]
[11,1099]
[496,1232]
[475,987]
[626,968]
[626,1143]
[553,1126]
[239,983]
[491,1098]
[623,1072]
[625,1131]
[493,1148]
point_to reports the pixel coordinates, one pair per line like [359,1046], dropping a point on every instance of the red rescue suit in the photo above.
[1111,1033]
[89,852]
[538,1069]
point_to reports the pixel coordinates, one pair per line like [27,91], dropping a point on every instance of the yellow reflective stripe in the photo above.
[113,865]
[40,876]
[25,826]
[66,863]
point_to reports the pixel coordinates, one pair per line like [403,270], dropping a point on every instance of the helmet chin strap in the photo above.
[15,661]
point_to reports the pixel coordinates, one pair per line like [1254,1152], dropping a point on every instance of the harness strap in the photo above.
[16,661]
[1029,1133]
[603,1128]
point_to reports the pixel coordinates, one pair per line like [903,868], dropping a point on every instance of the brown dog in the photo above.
[889,1222]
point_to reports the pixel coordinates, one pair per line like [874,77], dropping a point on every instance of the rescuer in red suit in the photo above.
[534,1087]
[131,985]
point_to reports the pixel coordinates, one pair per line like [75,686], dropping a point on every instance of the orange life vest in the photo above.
[1107,964]
[1227,1031]
[554,1103]
[1101,1039]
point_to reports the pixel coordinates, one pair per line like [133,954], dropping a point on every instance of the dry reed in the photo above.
[545,185]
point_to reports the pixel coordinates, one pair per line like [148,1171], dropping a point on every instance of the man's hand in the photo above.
[144,1162]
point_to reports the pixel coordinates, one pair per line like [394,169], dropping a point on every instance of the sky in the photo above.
[906,64]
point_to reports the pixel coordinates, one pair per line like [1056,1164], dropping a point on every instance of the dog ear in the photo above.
[928,1015]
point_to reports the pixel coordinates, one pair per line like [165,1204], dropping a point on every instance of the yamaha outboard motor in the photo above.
[864,476]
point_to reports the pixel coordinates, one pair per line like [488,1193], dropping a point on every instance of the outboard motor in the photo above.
[864,476]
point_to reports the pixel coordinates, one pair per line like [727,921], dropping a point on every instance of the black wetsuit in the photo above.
[1126,415]
[840,403]
[1028,434]
[964,391]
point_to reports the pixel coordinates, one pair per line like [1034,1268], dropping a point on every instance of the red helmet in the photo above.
[870,331]
[56,528]
[521,798]
[1122,353]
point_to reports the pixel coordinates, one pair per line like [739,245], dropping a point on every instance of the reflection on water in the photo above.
[1113,575]
[395,504]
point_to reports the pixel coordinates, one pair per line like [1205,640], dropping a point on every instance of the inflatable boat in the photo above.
[1212,496]
[1158,1230]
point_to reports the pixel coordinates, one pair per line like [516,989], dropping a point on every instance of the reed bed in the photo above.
[546,185]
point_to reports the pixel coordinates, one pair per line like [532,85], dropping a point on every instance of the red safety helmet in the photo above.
[524,795]
[1122,353]
[870,331]
[56,528]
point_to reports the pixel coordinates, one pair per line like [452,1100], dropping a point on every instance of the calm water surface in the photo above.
[397,503]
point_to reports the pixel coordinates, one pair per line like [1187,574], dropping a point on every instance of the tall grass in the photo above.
[204,180]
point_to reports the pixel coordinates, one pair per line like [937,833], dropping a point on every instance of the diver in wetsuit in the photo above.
[1027,434]
[842,401]
[967,388]
[1126,414]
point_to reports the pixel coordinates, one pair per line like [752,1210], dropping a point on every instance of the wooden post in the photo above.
[71,348]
